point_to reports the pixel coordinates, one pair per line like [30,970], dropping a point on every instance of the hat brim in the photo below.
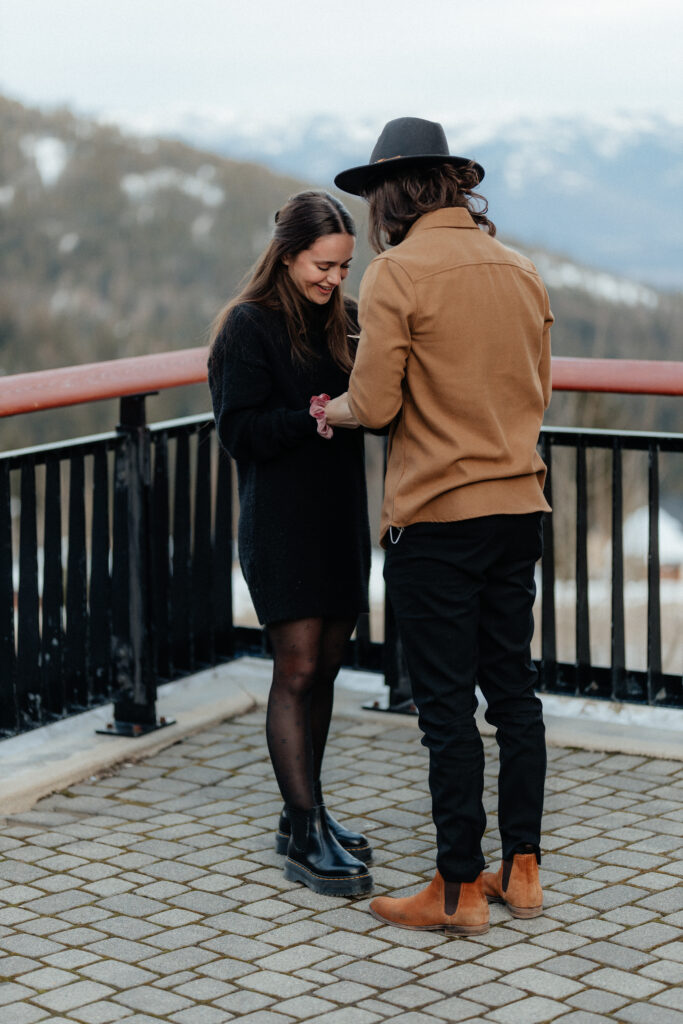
[356,179]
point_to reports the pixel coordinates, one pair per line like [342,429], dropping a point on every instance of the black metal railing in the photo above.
[616,681]
[141,594]
[613,679]
[140,591]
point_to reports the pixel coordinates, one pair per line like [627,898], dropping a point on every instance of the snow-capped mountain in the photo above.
[606,191]
[116,244]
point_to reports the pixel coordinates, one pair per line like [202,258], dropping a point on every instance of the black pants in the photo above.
[462,594]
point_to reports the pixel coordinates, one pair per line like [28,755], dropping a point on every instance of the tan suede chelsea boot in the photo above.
[516,883]
[458,908]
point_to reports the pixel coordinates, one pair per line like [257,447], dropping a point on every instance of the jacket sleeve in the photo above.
[544,364]
[240,381]
[386,307]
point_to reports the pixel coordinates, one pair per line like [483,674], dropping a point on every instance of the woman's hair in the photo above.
[303,219]
[396,202]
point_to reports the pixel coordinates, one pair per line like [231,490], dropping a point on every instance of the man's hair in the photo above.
[397,201]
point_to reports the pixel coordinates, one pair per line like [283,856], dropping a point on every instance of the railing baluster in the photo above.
[53,594]
[202,582]
[8,659]
[394,663]
[29,697]
[223,551]
[120,620]
[76,588]
[161,573]
[617,637]
[100,580]
[395,666]
[181,586]
[363,644]
[583,653]
[548,620]
[77,608]
[654,618]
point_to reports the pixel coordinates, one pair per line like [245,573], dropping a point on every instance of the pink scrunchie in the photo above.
[317,410]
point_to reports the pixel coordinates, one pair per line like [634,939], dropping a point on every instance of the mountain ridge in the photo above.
[591,187]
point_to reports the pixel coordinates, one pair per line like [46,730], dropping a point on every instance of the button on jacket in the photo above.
[454,352]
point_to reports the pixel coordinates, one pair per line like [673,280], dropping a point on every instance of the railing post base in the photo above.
[404,707]
[134,729]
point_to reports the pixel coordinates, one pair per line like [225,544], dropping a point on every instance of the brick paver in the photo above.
[154,894]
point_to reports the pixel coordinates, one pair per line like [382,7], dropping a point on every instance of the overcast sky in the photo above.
[383,58]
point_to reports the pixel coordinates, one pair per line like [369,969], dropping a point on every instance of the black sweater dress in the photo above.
[304,540]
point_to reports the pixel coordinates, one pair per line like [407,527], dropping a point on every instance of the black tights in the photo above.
[307,655]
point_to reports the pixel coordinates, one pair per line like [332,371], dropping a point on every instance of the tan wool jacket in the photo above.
[454,352]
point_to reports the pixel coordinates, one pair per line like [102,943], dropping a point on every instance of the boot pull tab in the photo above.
[451,896]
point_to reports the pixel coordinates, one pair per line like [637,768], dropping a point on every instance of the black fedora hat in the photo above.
[405,141]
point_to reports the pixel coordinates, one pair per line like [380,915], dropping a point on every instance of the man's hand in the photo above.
[339,415]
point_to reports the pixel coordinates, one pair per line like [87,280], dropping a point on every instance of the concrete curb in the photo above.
[613,728]
[59,755]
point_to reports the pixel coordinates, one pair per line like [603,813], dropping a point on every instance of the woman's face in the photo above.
[319,270]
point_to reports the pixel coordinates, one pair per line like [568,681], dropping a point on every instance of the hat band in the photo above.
[383,159]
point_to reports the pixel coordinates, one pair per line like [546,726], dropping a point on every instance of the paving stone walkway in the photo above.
[154,894]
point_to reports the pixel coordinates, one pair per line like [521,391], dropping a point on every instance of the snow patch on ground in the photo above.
[50,155]
[67,243]
[636,536]
[559,273]
[201,226]
[63,301]
[199,186]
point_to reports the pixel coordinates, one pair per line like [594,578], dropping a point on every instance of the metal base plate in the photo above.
[406,707]
[134,729]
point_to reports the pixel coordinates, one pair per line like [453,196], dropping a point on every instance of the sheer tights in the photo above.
[307,655]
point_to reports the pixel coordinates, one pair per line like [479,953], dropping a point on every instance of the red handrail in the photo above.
[91,382]
[618,376]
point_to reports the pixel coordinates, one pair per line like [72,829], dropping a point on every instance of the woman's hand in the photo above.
[338,413]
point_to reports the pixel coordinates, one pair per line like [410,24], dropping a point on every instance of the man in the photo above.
[454,352]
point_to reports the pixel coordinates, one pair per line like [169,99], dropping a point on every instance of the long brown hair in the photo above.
[303,219]
[397,201]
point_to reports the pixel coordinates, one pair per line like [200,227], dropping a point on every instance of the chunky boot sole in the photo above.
[281,842]
[364,853]
[449,929]
[340,886]
[521,912]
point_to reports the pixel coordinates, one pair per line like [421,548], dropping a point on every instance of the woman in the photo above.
[303,534]
[455,353]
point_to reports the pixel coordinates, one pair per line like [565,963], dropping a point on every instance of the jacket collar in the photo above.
[449,217]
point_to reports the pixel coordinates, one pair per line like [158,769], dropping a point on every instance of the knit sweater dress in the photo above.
[304,541]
